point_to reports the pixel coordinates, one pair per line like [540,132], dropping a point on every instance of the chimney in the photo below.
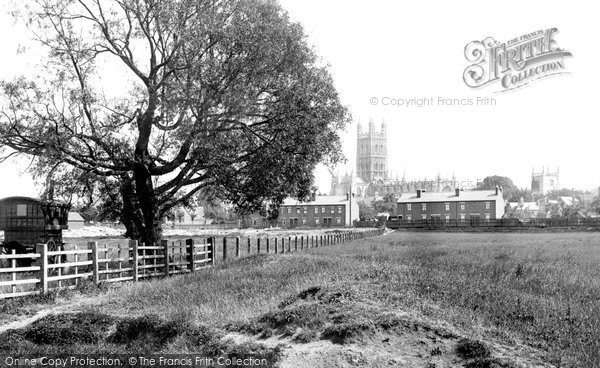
[418,193]
[457,192]
[497,190]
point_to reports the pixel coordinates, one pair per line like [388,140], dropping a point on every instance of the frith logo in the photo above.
[514,63]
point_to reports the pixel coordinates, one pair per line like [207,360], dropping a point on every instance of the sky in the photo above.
[385,50]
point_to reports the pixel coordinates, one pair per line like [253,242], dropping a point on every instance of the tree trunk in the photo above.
[140,215]
[130,214]
[152,230]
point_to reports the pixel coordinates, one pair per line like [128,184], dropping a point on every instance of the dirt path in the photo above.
[34,312]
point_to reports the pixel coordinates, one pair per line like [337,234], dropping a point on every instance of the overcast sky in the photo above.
[402,50]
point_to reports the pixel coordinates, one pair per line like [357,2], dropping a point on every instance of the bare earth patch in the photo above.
[419,347]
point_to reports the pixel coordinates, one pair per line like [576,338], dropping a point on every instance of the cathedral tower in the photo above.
[544,181]
[371,153]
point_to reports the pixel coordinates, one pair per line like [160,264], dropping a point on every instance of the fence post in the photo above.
[282,245]
[301,242]
[296,242]
[276,245]
[42,249]
[249,246]
[237,246]
[95,268]
[165,245]
[258,246]
[135,259]
[224,248]
[268,247]
[189,244]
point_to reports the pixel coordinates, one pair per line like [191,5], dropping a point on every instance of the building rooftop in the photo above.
[319,200]
[74,216]
[567,200]
[464,196]
[526,206]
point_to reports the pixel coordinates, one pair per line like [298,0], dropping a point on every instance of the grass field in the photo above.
[539,289]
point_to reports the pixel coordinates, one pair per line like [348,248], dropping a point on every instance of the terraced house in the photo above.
[324,211]
[477,205]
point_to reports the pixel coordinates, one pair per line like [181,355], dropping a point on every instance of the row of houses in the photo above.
[343,211]
[449,206]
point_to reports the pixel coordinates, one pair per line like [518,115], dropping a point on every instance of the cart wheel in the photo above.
[55,247]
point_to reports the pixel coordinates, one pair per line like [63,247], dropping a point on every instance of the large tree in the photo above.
[491,182]
[226,97]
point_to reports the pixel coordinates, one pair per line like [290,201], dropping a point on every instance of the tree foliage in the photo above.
[365,211]
[387,204]
[509,189]
[225,97]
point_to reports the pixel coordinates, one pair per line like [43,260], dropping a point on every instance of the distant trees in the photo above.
[365,211]
[564,192]
[509,189]
[595,206]
[387,204]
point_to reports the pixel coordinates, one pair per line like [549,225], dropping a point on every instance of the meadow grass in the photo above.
[542,289]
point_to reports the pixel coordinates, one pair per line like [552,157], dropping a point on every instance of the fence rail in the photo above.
[43,271]
[433,224]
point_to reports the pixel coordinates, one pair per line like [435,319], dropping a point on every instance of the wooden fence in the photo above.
[43,271]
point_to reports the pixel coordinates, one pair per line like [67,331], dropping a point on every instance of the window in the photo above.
[487,216]
[338,220]
[316,209]
[462,206]
[304,209]
[462,217]
[322,209]
[447,218]
[297,209]
[283,222]
[487,205]
[289,209]
[21,210]
[339,209]
[332,209]
[316,222]
[408,207]
[424,206]
[303,221]
[409,218]
[447,206]
[424,217]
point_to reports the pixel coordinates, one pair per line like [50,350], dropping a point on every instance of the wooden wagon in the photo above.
[30,221]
